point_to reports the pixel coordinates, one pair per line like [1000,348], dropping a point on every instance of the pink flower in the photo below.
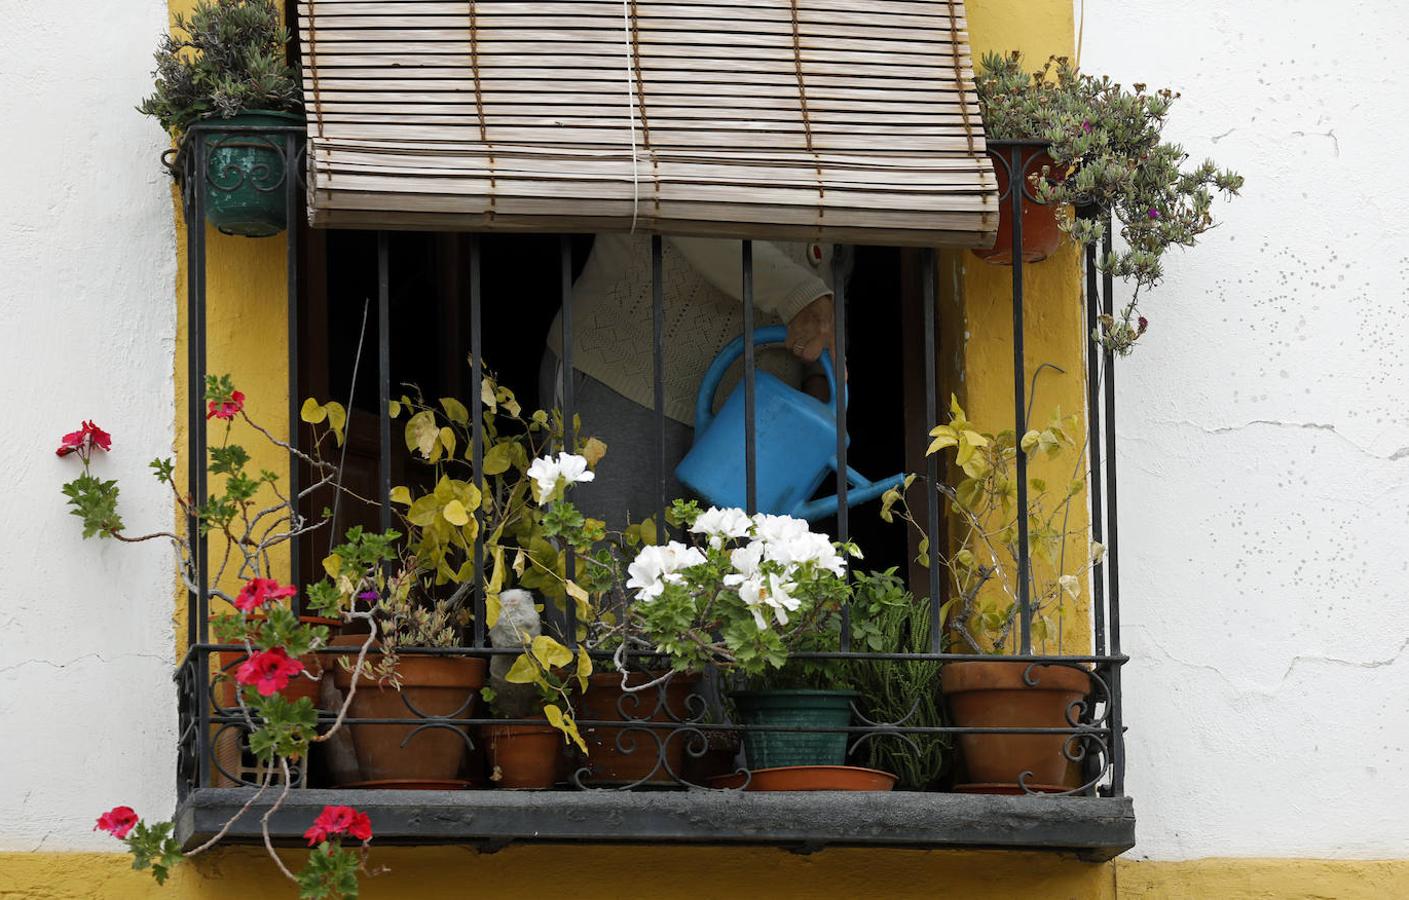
[117,821]
[259,591]
[1154,213]
[89,435]
[338,820]
[226,409]
[269,671]
[1144,323]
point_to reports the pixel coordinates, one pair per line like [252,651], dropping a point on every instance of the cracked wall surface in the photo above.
[1264,440]
[87,711]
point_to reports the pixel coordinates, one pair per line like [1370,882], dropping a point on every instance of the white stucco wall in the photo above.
[1264,439]
[87,713]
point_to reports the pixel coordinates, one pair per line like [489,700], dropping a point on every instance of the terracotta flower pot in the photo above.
[230,660]
[435,685]
[994,695]
[639,754]
[523,757]
[1040,235]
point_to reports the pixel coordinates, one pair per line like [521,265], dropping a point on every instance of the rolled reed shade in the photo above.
[843,120]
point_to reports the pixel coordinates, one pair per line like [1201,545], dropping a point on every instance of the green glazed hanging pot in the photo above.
[245,175]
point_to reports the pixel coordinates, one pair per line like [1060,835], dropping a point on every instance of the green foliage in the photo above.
[286,726]
[1109,157]
[154,848]
[738,603]
[95,502]
[886,618]
[330,873]
[225,58]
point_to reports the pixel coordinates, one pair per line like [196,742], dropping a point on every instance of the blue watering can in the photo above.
[796,441]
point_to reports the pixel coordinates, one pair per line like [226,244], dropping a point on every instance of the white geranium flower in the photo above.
[775,529]
[811,547]
[751,591]
[547,472]
[746,561]
[772,594]
[656,566]
[781,599]
[721,525]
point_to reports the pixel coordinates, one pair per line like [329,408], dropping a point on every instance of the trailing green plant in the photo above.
[249,519]
[887,618]
[225,58]
[1109,157]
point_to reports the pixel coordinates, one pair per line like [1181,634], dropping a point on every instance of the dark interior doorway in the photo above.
[520,280]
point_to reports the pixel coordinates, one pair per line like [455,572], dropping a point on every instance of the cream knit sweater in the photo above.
[611,311]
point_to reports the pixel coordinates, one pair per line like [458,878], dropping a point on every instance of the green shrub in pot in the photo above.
[226,61]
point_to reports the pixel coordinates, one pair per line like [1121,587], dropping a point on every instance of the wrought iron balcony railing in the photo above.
[1092,815]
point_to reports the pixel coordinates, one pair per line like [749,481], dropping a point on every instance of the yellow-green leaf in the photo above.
[421,433]
[424,511]
[455,410]
[454,513]
[1030,440]
[584,667]
[940,442]
[332,565]
[401,494]
[393,408]
[593,451]
[486,394]
[491,610]
[337,418]
[550,653]
[523,671]
[312,412]
[447,440]
[649,533]
[499,458]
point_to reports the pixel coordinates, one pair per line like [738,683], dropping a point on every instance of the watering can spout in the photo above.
[795,436]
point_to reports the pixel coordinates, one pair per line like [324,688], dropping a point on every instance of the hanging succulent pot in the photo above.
[1040,235]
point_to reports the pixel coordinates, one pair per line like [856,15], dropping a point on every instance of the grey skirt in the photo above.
[627,487]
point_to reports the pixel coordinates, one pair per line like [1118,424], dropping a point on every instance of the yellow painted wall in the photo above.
[978,321]
[610,873]
[247,338]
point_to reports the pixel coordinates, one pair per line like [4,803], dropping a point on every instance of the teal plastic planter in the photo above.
[245,177]
[817,709]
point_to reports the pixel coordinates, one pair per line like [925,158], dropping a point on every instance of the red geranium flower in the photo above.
[338,820]
[259,591]
[117,821]
[226,409]
[89,435]
[269,671]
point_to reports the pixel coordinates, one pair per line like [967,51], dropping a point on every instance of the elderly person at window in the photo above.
[613,378]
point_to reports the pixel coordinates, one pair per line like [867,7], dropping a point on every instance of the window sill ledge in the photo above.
[1095,828]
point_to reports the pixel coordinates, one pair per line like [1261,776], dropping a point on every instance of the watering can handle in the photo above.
[773,334]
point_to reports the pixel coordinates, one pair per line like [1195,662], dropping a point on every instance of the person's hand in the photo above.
[810,331]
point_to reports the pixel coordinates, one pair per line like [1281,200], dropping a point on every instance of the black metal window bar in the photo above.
[1095,730]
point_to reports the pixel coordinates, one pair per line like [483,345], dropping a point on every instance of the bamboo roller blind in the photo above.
[846,120]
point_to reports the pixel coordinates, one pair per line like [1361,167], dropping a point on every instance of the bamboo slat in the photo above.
[848,120]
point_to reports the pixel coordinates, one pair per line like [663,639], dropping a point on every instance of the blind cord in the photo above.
[631,108]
